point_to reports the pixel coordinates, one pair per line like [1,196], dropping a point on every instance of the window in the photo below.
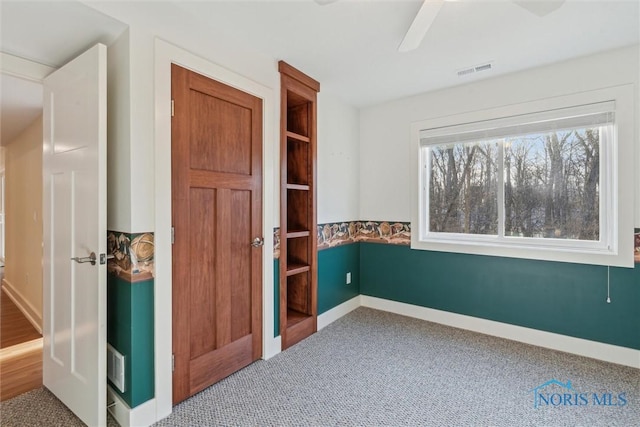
[524,178]
[539,184]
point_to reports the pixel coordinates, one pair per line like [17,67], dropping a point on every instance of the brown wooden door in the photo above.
[216,167]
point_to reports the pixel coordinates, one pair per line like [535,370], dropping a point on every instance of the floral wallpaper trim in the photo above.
[398,233]
[389,232]
[636,249]
[276,243]
[133,255]
[341,233]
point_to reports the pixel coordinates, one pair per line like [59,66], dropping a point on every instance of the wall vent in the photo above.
[476,69]
[115,368]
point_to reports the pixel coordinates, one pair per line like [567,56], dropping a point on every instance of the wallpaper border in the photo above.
[131,255]
[334,234]
[387,232]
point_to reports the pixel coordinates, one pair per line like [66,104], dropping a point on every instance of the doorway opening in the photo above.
[20,236]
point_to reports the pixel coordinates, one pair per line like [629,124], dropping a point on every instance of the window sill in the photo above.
[596,256]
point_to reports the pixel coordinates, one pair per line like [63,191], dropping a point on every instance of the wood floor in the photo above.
[20,353]
[20,368]
[14,327]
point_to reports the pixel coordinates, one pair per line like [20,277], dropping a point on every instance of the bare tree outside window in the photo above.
[463,184]
[551,186]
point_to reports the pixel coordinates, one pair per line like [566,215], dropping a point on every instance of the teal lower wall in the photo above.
[568,299]
[564,298]
[333,266]
[130,332]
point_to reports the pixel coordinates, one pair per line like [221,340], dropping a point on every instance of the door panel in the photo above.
[223,145]
[240,254]
[217,212]
[74,225]
[216,365]
[59,283]
[203,252]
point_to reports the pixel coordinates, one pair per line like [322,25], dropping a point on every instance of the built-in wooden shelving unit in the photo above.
[298,223]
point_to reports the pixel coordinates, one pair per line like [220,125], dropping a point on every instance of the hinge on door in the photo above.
[172,108]
[173,362]
[173,235]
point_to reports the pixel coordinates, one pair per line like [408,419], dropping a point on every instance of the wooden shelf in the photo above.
[294,317]
[300,187]
[297,137]
[297,234]
[296,269]
[298,216]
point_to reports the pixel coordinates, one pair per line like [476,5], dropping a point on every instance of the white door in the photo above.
[74,213]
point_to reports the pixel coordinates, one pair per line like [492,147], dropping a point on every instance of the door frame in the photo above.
[24,69]
[165,55]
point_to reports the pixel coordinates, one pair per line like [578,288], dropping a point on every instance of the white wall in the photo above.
[338,160]
[137,208]
[338,131]
[131,174]
[385,187]
[23,203]
[130,121]
[118,136]
[142,131]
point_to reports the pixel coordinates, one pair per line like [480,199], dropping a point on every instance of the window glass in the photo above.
[528,178]
[463,194]
[551,185]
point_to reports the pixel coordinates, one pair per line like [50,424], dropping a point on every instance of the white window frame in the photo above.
[617,198]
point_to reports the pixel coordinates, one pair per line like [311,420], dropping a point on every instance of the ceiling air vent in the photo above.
[472,70]
[466,71]
[483,67]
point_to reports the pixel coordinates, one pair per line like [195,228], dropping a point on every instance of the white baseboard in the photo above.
[142,415]
[595,350]
[23,305]
[273,347]
[338,311]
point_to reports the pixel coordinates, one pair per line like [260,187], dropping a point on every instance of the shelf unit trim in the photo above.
[296,234]
[290,71]
[293,269]
[297,137]
[298,205]
[299,187]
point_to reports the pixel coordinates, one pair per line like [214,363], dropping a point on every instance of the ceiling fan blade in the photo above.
[421,24]
[540,8]
[324,2]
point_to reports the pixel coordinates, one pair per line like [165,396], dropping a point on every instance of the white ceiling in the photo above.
[49,33]
[53,32]
[350,46]
[21,105]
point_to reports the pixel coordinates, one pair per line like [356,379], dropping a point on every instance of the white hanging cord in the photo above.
[608,297]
